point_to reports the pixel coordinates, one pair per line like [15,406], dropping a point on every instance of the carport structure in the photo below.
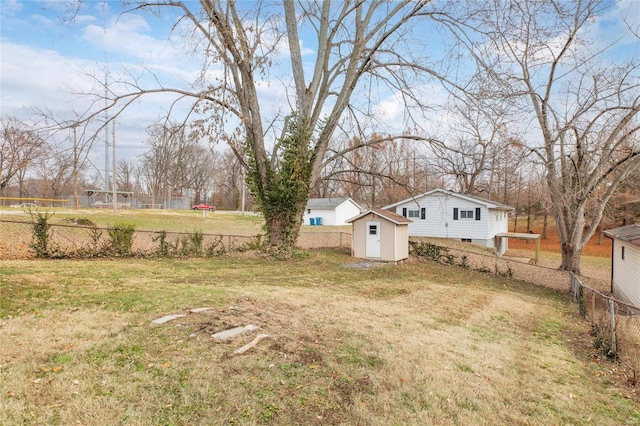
[520,236]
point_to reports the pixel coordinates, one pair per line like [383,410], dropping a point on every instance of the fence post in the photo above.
[612,316]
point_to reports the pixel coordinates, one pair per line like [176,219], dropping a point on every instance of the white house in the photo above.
[446,214]
[625,263]
[330,211]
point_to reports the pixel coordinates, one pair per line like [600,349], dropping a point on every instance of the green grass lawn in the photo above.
[419,343]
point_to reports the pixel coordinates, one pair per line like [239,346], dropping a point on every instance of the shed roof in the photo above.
[629,233]
[385,214]
[479,200]
[327,203]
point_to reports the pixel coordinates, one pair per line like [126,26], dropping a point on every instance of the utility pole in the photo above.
[75,167]
[115,193]
[106,138]
[243,171]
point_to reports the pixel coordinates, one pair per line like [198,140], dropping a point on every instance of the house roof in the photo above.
[629,233]
[385,214]
[328,203]
[479,200]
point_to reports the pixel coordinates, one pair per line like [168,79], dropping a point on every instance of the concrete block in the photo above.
[198,310]
[233,332]
[167,318]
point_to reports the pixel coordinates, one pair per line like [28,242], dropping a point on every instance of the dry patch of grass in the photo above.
[418,343]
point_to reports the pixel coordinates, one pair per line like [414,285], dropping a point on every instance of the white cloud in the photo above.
[11,7]
[37,78]
[128,37]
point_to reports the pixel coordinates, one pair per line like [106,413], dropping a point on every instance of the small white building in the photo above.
[380,235]
[441,213]
[625,263]
[330,211]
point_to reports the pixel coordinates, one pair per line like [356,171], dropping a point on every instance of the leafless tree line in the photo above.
[175,165]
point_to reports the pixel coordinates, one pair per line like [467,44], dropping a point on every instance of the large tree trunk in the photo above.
[283,230]
[571,257]
[282,194]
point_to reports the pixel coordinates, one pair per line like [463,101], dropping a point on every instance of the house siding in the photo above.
[439,219]
[346,211]
[498,222]
[335,216]
[626,273]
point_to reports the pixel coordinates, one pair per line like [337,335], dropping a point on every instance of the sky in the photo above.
[47,63]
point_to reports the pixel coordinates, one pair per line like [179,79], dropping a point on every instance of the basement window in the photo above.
[466,240]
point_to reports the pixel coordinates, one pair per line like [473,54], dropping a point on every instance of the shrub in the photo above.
[163,246]
[121,237]
[216,248]
[431,251]
[602,341]
[41,234]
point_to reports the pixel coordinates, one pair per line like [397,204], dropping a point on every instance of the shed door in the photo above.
[372,248]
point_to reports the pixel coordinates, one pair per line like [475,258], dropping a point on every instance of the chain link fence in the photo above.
[615,326]
[484,261]
[76,240]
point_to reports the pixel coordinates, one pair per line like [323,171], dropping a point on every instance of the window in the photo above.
[466,214]
[309,211]
[373,229]
[415,214]
[466,240]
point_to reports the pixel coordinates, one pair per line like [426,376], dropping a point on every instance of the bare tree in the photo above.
[228,181]
[125,175]
[55,174]
[356,44]
[163,164]
[377,174]
[200,171]
[20,148]
[583,102]
[476,136]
